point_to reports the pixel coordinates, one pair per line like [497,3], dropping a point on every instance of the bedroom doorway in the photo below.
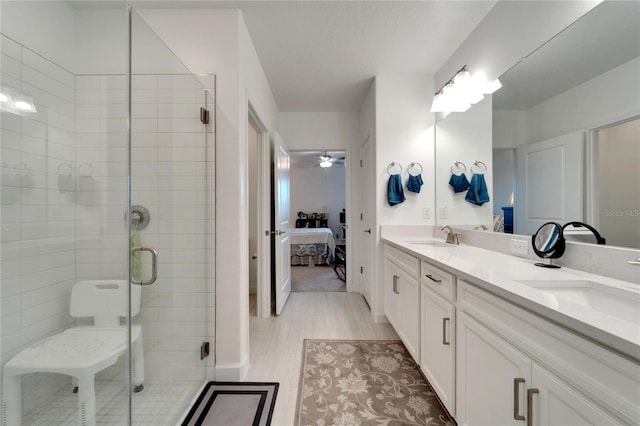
[318,212]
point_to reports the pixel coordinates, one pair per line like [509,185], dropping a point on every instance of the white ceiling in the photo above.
[323,55]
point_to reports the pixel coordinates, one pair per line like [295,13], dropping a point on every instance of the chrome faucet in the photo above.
[452,237]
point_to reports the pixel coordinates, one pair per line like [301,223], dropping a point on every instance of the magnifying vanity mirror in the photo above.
[548,243]
[561,138]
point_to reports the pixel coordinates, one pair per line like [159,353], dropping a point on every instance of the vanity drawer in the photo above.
[438,280]
[410,264]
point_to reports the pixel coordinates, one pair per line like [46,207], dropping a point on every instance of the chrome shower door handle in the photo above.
[154,265]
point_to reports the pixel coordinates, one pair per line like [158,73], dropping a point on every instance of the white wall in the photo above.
[606,99]
[509,129]
[321,190]
[404,134]
[504,178]
[464,137]
[318,130]
[618,159]
[51,28]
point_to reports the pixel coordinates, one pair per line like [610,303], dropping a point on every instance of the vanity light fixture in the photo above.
[463,90]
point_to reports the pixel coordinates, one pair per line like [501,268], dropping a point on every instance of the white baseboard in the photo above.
[232,372]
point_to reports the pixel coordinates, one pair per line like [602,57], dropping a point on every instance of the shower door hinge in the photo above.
[204,350]
[204,115]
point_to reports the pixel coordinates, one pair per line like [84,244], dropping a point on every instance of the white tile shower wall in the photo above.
[172,173]
[38,216]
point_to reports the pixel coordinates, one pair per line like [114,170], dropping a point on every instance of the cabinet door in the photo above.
[409,288]
[391,295]
[556,403]
[487,369]
[438,345]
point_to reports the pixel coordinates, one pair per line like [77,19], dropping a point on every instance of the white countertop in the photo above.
[499,273]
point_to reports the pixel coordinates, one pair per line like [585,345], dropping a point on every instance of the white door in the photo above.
[365,221]
[491,377]
[437,345]
[549,183]
[281,194]
[557,403]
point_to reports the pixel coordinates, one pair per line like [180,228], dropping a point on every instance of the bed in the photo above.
[312,246]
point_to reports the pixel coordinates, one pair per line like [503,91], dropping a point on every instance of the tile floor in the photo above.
[158,404]
[276,355]
[276,343]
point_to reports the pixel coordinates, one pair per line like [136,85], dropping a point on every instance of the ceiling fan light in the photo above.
[325,163]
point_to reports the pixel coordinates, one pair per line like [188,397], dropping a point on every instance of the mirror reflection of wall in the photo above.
[618,157]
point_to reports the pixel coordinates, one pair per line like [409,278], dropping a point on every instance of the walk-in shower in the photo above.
[108,182]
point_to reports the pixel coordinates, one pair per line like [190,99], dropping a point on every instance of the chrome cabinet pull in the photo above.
[395,284]
[634,262]
[530,393]
[432,279]
[516,398]
[444,331]
[154,265]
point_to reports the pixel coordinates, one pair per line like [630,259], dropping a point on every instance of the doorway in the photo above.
[318,211]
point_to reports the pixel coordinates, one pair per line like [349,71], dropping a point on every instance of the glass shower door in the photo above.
[171,137]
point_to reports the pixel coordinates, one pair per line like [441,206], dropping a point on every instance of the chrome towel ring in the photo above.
[479,165]
[413,166]
[457,165]
[391,166]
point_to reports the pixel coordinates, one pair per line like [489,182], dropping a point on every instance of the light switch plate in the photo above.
[426,213]
[443,213]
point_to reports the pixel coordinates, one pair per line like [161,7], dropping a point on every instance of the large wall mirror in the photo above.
[564,132]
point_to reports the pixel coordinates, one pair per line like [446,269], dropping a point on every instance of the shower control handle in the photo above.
[154,265]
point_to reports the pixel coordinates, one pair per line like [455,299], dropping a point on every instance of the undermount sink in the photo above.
[616,302]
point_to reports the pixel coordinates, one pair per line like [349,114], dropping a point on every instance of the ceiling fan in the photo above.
[325,160]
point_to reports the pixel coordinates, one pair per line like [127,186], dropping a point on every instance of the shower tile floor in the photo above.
[158,404]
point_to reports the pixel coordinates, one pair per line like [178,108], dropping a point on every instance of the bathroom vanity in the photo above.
[505,343]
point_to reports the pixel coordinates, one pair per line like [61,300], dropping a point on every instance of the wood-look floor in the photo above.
[276,343]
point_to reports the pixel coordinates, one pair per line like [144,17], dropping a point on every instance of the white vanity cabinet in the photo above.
[438,345]
[515,368]
[402,297]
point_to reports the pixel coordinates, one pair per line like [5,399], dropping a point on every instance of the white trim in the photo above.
[232,372]
[263,285]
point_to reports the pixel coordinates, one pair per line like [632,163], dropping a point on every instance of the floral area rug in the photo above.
[364,382]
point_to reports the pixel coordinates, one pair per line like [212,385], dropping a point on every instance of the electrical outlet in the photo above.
[519,247]
[443,213]
[426,213]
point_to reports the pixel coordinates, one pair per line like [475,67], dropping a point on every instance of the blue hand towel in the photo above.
[459,183]
[477,193]
[414,183]
[395,195]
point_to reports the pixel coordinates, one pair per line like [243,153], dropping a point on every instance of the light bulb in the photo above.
[325,164]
